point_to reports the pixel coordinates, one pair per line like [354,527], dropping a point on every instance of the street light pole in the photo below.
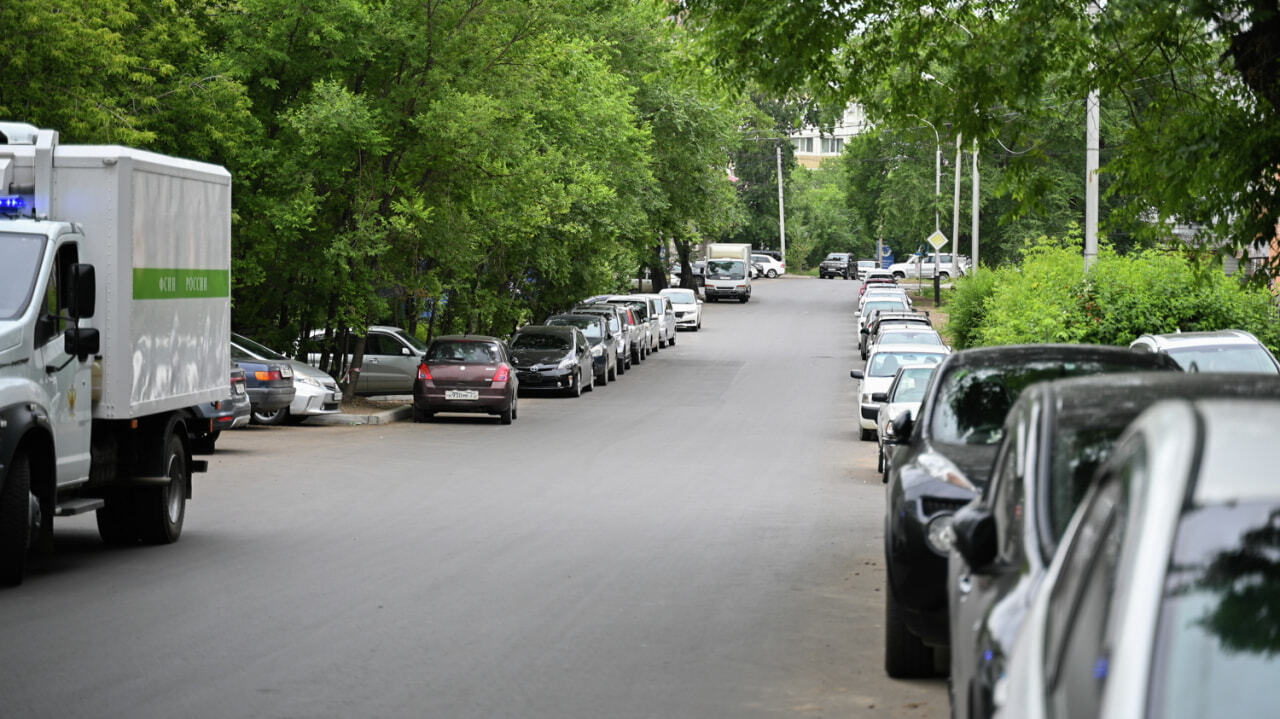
[782,217]
[974,238]
[955,219]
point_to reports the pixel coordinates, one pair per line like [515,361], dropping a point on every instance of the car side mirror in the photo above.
[899,430]
[856,373]
[879,396]
[81,342]
[974,537]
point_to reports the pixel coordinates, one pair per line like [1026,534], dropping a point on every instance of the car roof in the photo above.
[1014,354]
[1239,445]
[547,329]
[1128,393]
[1200,339]
[466,338]
[912,347]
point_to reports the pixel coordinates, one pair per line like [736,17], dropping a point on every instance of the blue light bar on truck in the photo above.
[11,202]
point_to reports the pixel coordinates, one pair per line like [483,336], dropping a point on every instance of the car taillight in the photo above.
[503,374]
[268,376]
[424,372]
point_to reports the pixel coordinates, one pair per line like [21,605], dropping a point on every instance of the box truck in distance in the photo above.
[115,321]
[728,272]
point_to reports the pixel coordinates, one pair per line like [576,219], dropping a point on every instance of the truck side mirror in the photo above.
[81,342]
[82,293]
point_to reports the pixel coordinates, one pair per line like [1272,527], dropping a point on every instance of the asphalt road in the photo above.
[701,538]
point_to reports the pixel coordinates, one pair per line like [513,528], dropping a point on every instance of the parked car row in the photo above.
[1084,530]
[570,353]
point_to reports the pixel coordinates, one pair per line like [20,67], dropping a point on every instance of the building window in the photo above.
[832,145]
[803,144]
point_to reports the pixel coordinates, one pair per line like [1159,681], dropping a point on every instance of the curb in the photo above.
[386,416]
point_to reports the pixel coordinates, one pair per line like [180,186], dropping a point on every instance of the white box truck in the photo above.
[728,272]
[115,282]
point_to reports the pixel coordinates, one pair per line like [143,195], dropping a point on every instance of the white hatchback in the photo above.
[687,306]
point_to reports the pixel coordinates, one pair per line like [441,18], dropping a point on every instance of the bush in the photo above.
[1050,299]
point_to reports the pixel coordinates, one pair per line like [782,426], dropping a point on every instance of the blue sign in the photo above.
[886,257]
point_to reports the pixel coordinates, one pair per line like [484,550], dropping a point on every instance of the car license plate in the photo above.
[461,394]
[239,388]
[337,395]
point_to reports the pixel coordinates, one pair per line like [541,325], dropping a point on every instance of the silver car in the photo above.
[903,396]
[314,391]
[666,315]
[391,359]
[644,314]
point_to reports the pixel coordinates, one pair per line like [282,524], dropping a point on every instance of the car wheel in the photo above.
[116,523]
[589,385]
[162,509]
[612,374]
[866,435]
[575,385]
[420,415]
[743,300]
[15,521]
[880,459]
[294,419]
[515,407]
[900,275]
[772,274]
[672,342]
[601,379]
[905,656]
[271,417]
[508,414]
[943,276]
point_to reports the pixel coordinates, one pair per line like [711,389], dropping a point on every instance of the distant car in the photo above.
[661,308]
[869,335]
[942,461]
[619,326]
[865,266]
[903,396]
[269,383]
[882,292]
[604,344]
[892,335]
[1221,351]
[316,392]
[882,367]
[649,325]
[924,267]
[770,267]
[687,307]
[836,264]
[875,306]
[391,359]
[1055,436]
[1161,599]
[875,278]
[211,418]
[466,373]
[552,358]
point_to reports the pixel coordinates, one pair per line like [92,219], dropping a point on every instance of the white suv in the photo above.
[917,266]
[1221,351]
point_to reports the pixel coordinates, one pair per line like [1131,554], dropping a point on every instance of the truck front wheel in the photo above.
[15,521]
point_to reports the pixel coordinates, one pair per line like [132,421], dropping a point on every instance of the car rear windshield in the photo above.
[908,337]
[972,401]
[462,351]
[1218,637]
[262,351]
[725,270]
[1228,358]
[589,327]
[682,297]
[20,258]
[886,364]
[890,305]
[540,341]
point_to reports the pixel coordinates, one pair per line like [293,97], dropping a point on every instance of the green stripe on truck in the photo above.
[150,283]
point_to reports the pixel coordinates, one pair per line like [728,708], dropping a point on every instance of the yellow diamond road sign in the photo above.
[936,240]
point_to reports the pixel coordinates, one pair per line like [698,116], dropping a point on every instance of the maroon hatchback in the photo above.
[465,373]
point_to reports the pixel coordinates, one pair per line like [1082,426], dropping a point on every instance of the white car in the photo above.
[884,292]
[1221,351]
[882,366]
[887,304]
[687,306]
[314,391]
[769,265]
[905,394]
[1160,599]
[865,266]
[923,267]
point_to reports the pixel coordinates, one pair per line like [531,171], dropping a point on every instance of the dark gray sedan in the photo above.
[552,358]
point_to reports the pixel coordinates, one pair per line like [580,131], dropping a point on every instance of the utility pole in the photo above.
[782,216]
[1092,140]
[974,238]
[955,220]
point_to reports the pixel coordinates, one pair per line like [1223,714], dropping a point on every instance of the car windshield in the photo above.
[836,256]
[20,258]
[1225,358]
[972,401]
[589,327]
[911,337]
[540,341]
[1218,636]
[886,364]
[256,350]
[911,385]
[725,270]
[681,297]
[462,351]
[890,305]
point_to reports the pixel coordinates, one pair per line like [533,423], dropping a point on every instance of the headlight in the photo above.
[942,469]
[940,534]
[308,380]
[597,351]
[568,363]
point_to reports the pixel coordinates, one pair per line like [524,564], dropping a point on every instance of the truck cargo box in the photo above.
[158,231]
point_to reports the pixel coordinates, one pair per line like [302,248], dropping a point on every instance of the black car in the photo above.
[552,358]
[604,343]
[942,461]
[210,418]
[1055,437]
[269,383]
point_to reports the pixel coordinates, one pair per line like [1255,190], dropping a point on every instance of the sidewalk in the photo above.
[369,410]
